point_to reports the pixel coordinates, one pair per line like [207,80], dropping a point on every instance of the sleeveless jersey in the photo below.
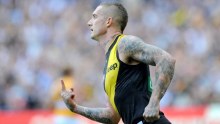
[128,86]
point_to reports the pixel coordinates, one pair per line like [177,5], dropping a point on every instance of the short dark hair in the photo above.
[121,13]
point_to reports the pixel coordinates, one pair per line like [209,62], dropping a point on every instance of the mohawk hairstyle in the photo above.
[122,15]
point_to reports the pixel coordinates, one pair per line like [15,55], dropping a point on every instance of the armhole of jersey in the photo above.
[117,54]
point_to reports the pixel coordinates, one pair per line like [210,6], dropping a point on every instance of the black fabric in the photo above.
[131,92]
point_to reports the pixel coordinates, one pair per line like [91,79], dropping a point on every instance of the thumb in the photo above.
[63,85]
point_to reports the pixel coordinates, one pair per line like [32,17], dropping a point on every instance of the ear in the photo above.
[109,21]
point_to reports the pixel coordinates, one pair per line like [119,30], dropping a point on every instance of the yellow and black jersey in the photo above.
[127,86]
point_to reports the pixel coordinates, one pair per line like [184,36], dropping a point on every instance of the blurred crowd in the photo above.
[39,38]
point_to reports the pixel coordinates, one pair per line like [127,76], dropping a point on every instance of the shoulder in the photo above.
[133,48]
[129,39]
[129,44]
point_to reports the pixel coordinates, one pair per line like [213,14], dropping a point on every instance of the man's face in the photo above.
[97,23]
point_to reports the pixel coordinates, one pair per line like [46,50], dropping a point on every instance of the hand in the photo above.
[151,113]
[68,97]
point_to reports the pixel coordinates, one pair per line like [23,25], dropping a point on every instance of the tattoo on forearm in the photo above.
[163,76]
[102,115]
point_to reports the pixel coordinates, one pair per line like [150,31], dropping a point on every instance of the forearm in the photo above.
[163,76]
[102,115]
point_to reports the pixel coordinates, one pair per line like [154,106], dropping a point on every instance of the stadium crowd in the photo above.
[39,38]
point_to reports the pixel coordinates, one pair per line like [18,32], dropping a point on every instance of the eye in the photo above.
[94,16]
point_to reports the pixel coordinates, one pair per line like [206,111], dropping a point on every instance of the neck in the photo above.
[108,39]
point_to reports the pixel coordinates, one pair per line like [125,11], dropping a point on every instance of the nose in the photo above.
[89,23]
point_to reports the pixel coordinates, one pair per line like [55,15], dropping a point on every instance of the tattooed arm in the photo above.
[133,50]
[103,115]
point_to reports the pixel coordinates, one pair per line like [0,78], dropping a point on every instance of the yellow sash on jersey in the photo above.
[112,73]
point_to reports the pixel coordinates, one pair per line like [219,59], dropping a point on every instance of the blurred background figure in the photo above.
[61,114]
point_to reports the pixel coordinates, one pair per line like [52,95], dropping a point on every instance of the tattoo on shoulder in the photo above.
[131,44]
[135,48]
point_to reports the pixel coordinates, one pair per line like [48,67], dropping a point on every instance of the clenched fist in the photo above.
[151,113]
